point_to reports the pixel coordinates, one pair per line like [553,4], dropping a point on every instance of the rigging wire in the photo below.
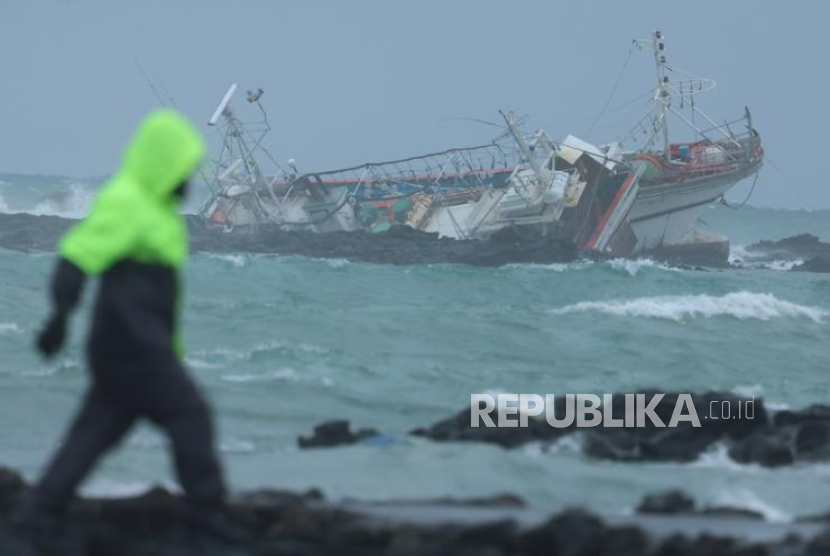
[790,183]
[613,90]
[623,120]
[648,94]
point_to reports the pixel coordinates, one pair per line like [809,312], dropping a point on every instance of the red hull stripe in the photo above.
[604,222]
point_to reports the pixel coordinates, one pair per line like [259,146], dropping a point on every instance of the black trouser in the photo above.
[162,393]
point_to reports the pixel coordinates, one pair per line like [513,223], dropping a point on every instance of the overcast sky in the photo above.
[352,81]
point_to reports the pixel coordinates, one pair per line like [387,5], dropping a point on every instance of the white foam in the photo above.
[237,261]
[9,328]
[74,203]
[739,256]
[749,390]
[555,267]
[337,263]
[741,305]
[237,446]
[229,354]
[748,500]
[570,443]
[634,266]
[717,456]
[283,374]
[104,488]
[65,364]
[201,364]
[784,265]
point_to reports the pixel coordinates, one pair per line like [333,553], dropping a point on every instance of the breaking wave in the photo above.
[108,488]
[741,305]
[236,261]
[554,267]
[746,499]
[286,375]
[9,328]
[216,356]
[73,202]
[742,258]
[634,266]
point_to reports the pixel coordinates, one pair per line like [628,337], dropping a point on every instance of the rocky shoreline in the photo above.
[807,251]
[764,437]
[400,245]
[280,523]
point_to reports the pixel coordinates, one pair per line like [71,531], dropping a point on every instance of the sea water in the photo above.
[280,344]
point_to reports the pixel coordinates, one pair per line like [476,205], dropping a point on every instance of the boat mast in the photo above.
[235,132]
[663,96]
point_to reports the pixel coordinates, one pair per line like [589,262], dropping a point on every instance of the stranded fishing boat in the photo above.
[611,199]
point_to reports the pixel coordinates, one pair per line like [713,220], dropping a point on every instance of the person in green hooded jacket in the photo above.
[135,239]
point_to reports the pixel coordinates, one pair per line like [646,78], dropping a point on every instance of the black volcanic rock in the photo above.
[279,523]
[572,533]
[458,428]
[27,232]
[334,433]
[751,435]
[815,413]
[812,442]
[819,546]
[816,264]
[681,443]
[399,245]
[769,446]
[802,246]
[669,502]
[648,443]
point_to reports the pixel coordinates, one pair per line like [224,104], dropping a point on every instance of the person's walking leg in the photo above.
[98,426]
[177,406]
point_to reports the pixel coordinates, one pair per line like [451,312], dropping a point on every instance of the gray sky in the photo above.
[366,80]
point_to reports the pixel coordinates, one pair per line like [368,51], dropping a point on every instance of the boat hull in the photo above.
[665,215]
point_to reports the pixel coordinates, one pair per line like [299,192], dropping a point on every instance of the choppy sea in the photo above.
[282,343]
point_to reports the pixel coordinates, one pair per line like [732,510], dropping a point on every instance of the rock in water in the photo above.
[804,247]
[283,523]
[399,245]
[670,502]
[334,433]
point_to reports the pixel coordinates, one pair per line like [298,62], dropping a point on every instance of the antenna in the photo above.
[150,83]
[222,105]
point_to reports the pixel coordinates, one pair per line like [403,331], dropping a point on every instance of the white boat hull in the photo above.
[665,215]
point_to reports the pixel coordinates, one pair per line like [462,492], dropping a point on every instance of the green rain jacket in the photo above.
[135,238]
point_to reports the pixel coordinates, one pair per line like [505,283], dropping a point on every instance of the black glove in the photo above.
[50,339]
[67,284]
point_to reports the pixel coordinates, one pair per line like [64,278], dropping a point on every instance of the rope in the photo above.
[726,203]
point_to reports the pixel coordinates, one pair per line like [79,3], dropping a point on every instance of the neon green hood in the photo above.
[135,215]
[164,152]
